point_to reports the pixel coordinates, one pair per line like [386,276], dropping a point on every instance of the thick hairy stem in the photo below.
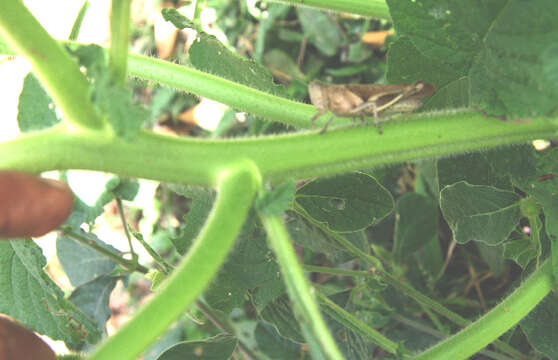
[236,186]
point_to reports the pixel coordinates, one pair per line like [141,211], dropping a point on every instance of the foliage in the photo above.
[394,231]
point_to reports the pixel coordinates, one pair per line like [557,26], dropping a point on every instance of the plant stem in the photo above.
[236,186]
[497,321]
[58,72]
[300,291]
[128,264]
[119,28]
[352,322]
[77,23]
[374,8]
[124,224]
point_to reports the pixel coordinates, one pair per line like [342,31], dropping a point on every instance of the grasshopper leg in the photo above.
[327,124]
[318,114]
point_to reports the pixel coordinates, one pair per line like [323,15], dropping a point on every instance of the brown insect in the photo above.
[360,100]
[31,206]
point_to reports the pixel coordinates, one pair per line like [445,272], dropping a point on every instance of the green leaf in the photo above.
[30,296]
[250,270]
[35,108]
[500,46]
[277,200]
[122,188]
[345,203]
[271,343]
[209,55]
[416,223]
[200,206]
[216,348]
[473,168]
[479,213]
[81,263]
[541,326]
[517,162]
[170,338]
[177,19]
[111,99]
[522,251]
[93,299]
[320,30]
[492,255]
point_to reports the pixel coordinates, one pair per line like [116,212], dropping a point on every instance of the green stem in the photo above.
[79,20]
[125,225]
[119,28]
[299,155]
[300,291]
[236,188]
[373,8]
[128,264]
[167,268]
[58,72]
[352,322]
[497,321]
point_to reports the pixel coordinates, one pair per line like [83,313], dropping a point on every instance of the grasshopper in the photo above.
[360,100]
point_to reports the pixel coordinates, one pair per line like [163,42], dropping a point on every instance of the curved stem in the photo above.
[58,72]
[119,26]
[236,187]
[374,8]
[497,321]
[300,155]
[300,291]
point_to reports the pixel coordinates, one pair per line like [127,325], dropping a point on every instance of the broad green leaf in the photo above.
[541,326]
[111,99]
[549,61]
[271,343]
[209,55]
[450,90]
[277,200]
[522,251]
[517,162]
[170,338]
[320,30]
[473,168]
[93,299]
[501,47]
[177,19]
[200,206]
[345,203]
[479,213]
[416,223]
[216,348]
[35,108]
[30,296]
[250,270]
[492,255]
[81,263]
